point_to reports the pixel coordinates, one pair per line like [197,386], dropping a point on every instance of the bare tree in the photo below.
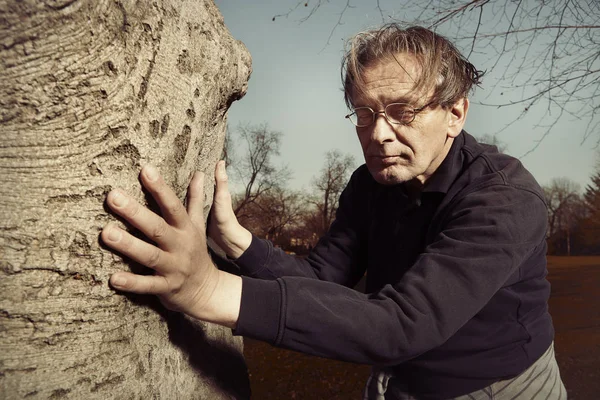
[545,55]
[591,221]
[255,168]
[328,187]
[90,92]
[565,210]
[275,214]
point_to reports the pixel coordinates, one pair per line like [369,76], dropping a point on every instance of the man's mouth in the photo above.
[388,157]
[383,155]
[385,160]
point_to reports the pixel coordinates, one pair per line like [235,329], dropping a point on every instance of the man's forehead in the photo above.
[389,80]
[393,92]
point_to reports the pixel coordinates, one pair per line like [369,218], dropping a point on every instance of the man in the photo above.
[450,232]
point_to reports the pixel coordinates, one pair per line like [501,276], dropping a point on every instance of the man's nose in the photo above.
[382,131]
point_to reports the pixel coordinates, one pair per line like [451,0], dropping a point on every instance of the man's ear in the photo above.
[458,116]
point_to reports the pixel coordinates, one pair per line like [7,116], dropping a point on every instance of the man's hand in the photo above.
[223,226]
[185,277]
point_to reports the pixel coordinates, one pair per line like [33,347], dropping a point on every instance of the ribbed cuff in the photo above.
[262,315]
[254,259]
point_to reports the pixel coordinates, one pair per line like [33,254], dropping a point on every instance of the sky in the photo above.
[295,87]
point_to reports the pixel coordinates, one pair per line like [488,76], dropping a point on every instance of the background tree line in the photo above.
[295,219]
[573,216]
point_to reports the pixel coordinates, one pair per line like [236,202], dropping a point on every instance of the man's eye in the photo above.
[400,114]
[363,113]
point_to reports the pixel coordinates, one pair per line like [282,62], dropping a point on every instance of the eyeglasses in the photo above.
[394,113]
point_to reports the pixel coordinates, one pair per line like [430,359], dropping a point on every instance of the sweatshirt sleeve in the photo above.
[487,235]
[338,256]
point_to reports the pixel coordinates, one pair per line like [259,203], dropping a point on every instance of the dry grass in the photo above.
[575,308]
[573,261]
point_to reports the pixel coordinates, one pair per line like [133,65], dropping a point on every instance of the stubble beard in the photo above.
[391,174]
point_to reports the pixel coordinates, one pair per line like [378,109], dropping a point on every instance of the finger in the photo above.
[222,195]
[143,284]
[134,248]
[195,200]
[150,224]
[221,178]
[170,206]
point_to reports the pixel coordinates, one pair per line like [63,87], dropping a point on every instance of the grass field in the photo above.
[575,308]
[574,305]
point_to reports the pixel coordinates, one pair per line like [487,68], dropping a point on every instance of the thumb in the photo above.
[222,194]
[195,200]
[221,178]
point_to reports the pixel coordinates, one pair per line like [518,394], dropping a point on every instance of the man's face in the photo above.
[402,153]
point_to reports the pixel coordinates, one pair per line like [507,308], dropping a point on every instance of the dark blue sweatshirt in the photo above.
[456,289]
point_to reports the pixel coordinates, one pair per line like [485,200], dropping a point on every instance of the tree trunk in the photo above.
[91,91]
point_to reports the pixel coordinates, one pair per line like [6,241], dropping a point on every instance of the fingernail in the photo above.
[118,199]
[114,234]
[118,280]
[222,169]
[151,173]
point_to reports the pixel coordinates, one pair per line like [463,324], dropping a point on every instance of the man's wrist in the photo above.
[223,306]
[237,242]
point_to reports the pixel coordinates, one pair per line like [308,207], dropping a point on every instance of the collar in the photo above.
[449,169]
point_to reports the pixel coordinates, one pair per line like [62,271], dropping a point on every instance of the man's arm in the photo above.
[185,277]
[338,257]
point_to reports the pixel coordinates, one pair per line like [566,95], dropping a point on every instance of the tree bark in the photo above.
[91,91]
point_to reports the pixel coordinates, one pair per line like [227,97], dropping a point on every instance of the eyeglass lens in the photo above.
[396,113]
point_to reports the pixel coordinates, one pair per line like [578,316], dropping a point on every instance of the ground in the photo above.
[574,305]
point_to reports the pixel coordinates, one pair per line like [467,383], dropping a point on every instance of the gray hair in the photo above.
[441,66]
